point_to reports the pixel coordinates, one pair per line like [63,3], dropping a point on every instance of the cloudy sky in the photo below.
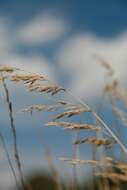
[60,38]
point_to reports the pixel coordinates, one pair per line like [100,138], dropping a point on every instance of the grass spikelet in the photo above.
[111,87]
[105,64]
[61,102]
[73,126]
[70,113]
[96,141]
[27,78]
[112,176]
[40,107]
[49,88]
[7,68]
[35,108]
[44,107]
[79,162]
[122,166]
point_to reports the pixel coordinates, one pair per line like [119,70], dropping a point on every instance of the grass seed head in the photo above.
[7,68]
[79,162]
[73,126]
[96,141]
[27,78]
[70,113]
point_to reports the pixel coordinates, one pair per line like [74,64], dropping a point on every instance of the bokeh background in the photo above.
[60,39]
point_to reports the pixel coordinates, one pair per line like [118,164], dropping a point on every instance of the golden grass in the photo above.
[96,141]
[73,126]
[106,166]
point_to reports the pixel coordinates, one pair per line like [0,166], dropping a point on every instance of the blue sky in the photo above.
[59,38]
[104,18]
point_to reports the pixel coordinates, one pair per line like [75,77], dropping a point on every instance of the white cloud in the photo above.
[41,29]
[76,58]
[5,40]
[33,63]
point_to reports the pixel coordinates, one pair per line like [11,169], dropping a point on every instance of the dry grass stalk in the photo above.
[13,129]
[117,91]
[69,105]
[96,141]
[122,166]
[79,162]
[27,78]
[30,79]
[53,89]
[114,170]
[35,107]
[61,102]
[73,126]
[119,165]
[112,87]
[70,113]
[113,176]
[95,163]
[66,105]
[9,161]
[47,88]
[105,64]
[7,68]
[44,107]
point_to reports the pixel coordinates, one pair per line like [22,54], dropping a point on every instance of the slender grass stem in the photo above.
[13,129]
[9,161]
